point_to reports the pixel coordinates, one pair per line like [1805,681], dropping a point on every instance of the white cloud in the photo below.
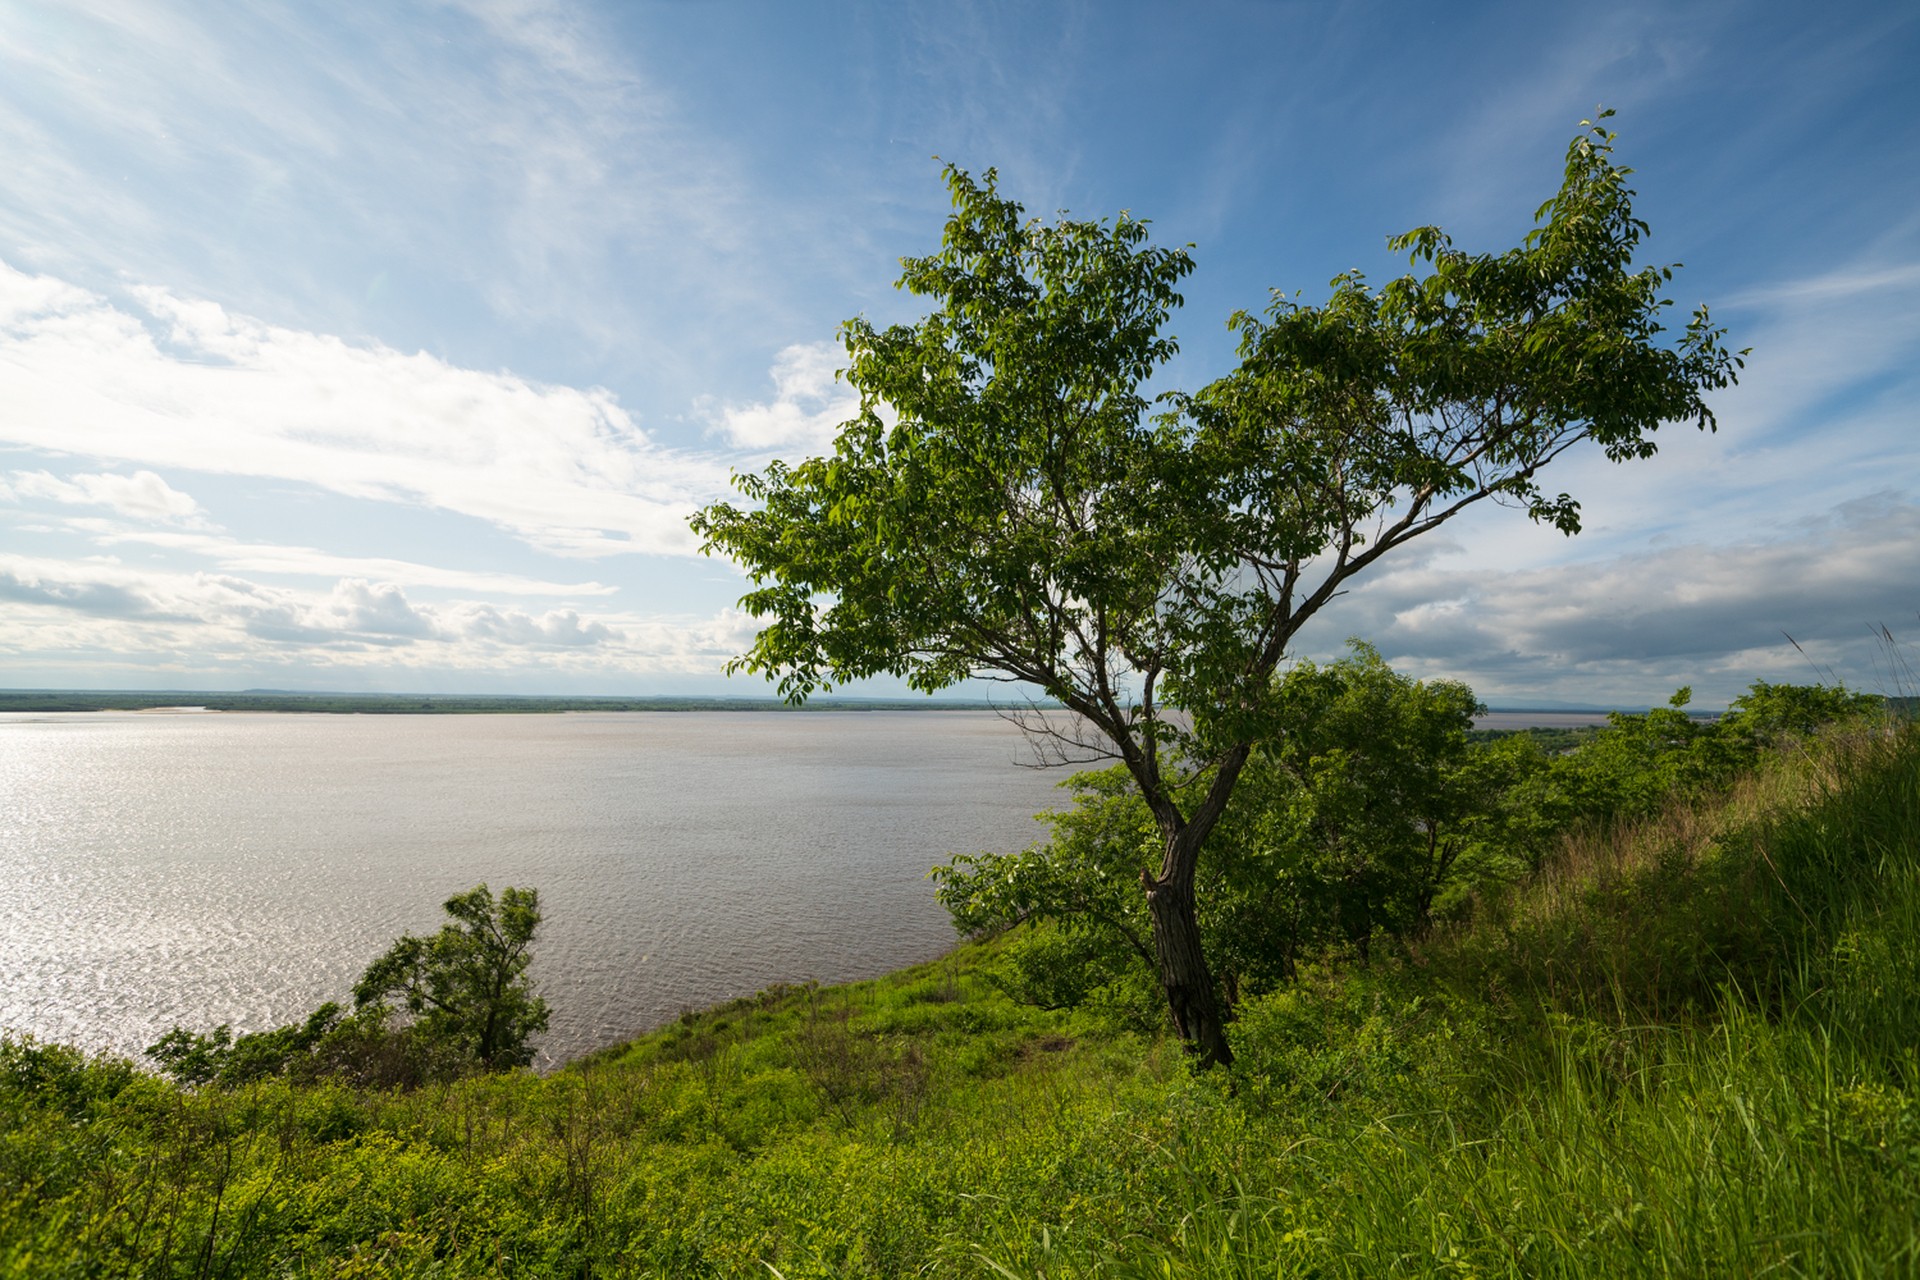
[1714,614]
[95,598]
[243,557]
[808,406]
[140,496]
[1819,337]
[278,157]
[1629,57]
[1843,283]
[567,470]
[220,623]
[561,627]
[379,609]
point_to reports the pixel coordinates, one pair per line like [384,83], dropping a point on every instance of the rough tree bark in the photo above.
[1184,973]
[1192,995]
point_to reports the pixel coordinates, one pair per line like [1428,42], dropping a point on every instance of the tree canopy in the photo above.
[1009,503]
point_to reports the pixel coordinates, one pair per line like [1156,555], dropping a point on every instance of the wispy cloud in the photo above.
[987,98]
[599,158]
[141,496]
[243,557]
[1826,342]
[350,170]
[566,470]
[1844,283]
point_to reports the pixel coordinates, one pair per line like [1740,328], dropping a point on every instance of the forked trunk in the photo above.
[1184,974]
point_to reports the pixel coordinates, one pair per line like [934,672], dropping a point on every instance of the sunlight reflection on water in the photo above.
[243,868]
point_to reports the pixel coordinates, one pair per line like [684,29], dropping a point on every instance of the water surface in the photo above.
[198,869]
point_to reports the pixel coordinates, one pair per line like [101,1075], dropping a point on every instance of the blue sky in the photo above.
[389,346]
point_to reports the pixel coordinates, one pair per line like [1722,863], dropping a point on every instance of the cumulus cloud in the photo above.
[1715,615]
[140,496]
[807,408]
[380,613]
[566,470]
[380,609]
[98,599]
[213,621]
[560,627]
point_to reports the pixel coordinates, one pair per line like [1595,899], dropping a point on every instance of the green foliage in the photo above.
[1769,714]
[466,986]
[1630,770]
[464,989]
[60,1078]
[1352,820]
[194,1059]
[1373,812]
[1372,800]
[1642,762]
[1380,1036]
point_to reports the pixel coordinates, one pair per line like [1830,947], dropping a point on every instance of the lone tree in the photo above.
[466,986]
[1008,504]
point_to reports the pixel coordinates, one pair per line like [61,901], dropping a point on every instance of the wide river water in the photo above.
[197,869]
[163,869]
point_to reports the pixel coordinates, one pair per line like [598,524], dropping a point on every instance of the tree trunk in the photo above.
[1184,974]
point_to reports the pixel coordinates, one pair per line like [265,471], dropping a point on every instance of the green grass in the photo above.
[1687,1050]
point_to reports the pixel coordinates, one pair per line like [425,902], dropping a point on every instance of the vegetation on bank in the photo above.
[1373,815]
[1683,1045]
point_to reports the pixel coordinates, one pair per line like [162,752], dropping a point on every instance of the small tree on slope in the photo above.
[1024,515]
[466,986]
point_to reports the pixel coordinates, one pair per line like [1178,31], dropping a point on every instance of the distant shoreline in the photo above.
[195,701]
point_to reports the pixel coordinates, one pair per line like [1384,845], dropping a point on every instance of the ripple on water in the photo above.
[157,870]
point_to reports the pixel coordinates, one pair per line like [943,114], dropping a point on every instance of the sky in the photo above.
[389,346]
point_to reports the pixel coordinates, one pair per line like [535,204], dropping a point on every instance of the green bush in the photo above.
[465,1004]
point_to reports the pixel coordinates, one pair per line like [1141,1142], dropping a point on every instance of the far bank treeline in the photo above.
[55,701]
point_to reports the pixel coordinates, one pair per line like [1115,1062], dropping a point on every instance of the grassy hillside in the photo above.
[1689,1048]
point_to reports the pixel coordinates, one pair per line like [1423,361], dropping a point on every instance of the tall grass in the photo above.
[1633,1127]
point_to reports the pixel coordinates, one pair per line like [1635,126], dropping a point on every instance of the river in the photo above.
[161,869]
[242,868]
